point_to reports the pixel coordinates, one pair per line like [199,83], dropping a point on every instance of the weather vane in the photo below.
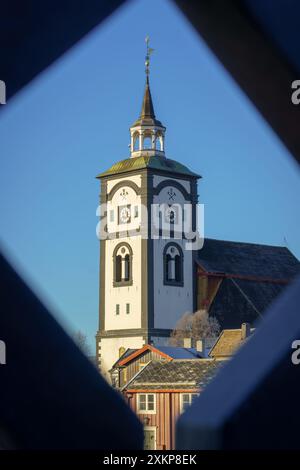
[149,52]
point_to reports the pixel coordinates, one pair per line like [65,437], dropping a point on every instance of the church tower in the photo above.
[147,269]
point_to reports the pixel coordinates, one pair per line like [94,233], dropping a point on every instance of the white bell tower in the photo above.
[147,274]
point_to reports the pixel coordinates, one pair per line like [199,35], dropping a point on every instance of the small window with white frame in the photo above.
[146,403]
[173,265]
[186,399]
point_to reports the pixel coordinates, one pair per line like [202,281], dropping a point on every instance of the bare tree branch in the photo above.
[81,340]
[198,325]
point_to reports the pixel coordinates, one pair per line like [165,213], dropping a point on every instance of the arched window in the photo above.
[147,141]
[127,268]
[170,268]
[173,265]
[118,268]
[158,141]
[136,143]
[178,268]
[122,259]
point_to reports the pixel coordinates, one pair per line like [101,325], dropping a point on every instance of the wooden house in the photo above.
[162,390]
[230,341]
[132,361]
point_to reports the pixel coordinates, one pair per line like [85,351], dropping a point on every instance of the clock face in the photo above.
[124,214]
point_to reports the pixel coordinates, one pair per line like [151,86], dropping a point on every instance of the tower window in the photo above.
[126,273]
[178,268]
[158,141]
[136,211]
[117,309]
[127,309]
[147,142]
[136,143]
[122,259]
[157,144]
[118,268]
[173,265]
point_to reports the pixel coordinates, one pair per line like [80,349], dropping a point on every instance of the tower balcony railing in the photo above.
[147,153]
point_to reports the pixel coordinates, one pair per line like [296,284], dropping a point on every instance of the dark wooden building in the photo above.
[237,281]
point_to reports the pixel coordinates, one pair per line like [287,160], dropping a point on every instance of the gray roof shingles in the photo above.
[241,300]
[248,259]
[173,351]
[178,352]
[238,302]
[177,374]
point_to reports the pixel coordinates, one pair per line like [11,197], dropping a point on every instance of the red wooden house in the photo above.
[162,390]
[132,361]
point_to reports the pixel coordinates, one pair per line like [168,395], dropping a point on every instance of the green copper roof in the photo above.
[155,163]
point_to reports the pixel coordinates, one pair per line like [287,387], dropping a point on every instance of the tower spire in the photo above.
[147,106]
[147,133]
[147,110]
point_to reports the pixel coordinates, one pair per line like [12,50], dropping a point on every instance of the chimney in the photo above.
[187,342]
[200,346]
[245,330]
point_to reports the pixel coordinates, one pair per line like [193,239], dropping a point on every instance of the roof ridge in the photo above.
[196,359]
[245,243]
[231,329]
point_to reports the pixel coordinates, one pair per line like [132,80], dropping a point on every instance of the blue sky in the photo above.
[72,123]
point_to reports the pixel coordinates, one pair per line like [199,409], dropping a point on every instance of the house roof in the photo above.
[179,352]
[155,162]
[227,343]
[252,276]
[127,353]
[175,375]
[166,352]
[248,259]
[241,301]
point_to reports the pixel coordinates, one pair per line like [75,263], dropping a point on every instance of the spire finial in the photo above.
[149,51]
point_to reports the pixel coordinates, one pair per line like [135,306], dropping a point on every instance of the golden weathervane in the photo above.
[148,54]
